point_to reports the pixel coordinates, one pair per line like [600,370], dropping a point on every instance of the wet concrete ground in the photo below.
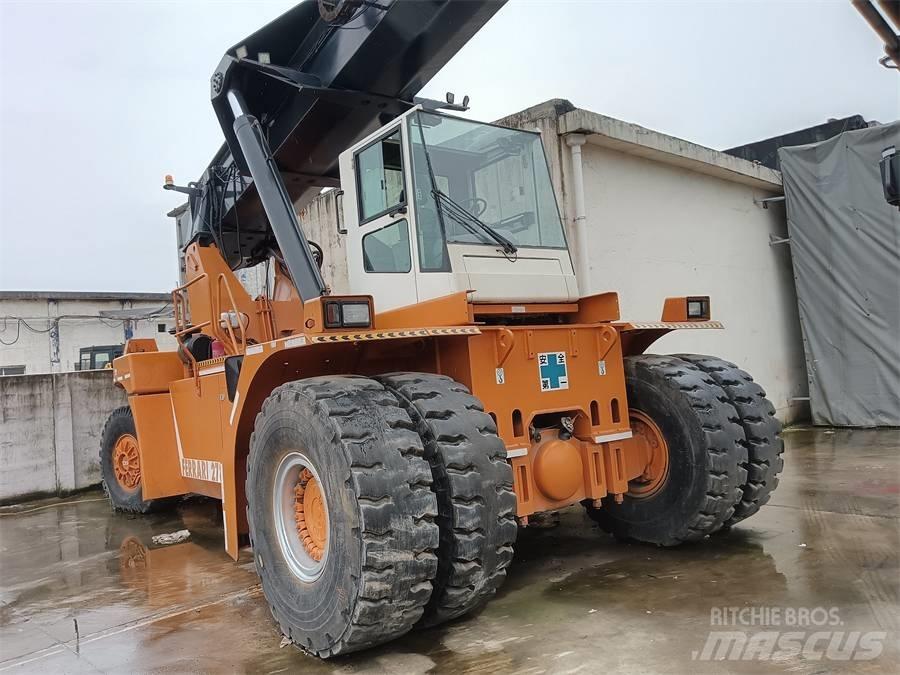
[85,590]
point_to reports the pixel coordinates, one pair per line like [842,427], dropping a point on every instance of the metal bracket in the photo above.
[305,81]
[764,203]
[192,189]
[433,105]
[774,240]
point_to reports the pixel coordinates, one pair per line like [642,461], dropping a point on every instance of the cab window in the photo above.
[387,249]
[380,177]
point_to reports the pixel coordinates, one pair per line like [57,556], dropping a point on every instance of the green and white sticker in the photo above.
[552,371]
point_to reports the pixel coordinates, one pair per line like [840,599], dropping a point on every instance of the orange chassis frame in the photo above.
[194,430]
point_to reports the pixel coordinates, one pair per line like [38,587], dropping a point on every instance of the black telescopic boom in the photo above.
[279,210]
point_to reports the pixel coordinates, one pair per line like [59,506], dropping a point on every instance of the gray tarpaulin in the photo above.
[845,245]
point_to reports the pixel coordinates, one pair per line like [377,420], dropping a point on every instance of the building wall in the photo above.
[319,221]
[79,326]
[657,230]
[50,427]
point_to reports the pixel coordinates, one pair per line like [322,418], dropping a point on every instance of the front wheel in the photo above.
[341,514]
[696,457]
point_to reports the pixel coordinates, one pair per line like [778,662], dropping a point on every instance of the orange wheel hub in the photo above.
[655,456]
[126,461]
[309,510]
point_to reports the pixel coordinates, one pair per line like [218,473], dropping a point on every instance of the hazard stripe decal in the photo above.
[394,334]
[636,325]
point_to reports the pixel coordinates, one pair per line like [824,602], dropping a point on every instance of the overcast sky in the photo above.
[98,100]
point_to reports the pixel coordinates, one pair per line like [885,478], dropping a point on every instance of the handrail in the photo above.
[182,327]
[191,329]
[236,343]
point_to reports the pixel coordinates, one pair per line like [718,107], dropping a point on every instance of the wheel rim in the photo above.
[301,516]
[127,462]
[652,443]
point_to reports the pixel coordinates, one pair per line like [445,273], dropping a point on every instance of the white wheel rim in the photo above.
[301,564]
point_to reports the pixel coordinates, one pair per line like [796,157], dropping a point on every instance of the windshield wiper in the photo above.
[467,219]
[457,212]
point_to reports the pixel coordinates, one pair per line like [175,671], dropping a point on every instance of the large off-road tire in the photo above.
[698,428]
[474,486]
[762,431]
[120,465]
[341,514]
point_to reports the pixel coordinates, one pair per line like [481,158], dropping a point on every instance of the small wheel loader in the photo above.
[379,449]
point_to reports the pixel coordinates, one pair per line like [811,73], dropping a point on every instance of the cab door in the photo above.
[379,227]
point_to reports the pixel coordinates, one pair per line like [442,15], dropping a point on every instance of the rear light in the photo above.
[347,314]
[332,315]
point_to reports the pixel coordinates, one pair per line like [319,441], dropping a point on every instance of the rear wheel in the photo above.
[120,465]
[695,460]
[762,431]
[474,486]
[341,514]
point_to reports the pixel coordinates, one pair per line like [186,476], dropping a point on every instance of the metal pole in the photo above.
[881,27]
[891,9]
[575,141]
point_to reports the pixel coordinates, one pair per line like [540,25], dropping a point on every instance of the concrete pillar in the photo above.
[582,263]
[53,323]
[63,434]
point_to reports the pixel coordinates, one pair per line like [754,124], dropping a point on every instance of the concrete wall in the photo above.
[657,230]
[79,326]
[50,428]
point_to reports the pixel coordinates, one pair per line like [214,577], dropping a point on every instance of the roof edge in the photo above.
[550,109]
[637,140]
[82,295]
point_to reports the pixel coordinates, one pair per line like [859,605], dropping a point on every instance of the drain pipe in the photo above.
[583,272]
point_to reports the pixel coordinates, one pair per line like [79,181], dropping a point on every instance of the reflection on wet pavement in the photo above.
[86,590]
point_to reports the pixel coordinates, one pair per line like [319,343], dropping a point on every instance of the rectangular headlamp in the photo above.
[347,314]
[698,308]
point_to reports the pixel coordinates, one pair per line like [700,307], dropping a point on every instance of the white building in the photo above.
[51,332]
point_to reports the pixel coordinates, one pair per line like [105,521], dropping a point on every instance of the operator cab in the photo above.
[435,204]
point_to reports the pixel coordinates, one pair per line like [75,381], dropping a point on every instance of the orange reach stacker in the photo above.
[380,449]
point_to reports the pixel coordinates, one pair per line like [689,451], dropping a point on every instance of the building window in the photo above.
[160,328]
[92,358]
[12,370]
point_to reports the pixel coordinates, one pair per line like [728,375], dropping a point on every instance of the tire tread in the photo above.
[762,432]
[474,485]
